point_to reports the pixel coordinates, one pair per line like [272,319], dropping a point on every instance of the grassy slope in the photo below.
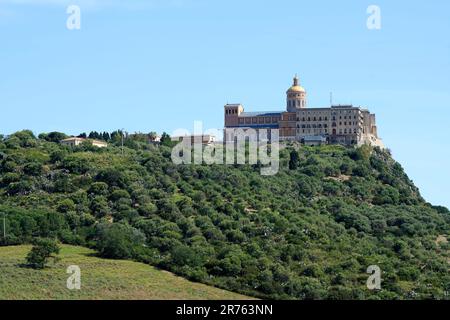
[100,279]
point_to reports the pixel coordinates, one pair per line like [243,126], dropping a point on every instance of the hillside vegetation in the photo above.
[100,279]
[309,232]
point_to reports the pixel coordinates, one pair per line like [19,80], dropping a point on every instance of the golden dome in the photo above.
[296,86]
[296,89]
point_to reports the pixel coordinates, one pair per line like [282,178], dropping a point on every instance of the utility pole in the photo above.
[4,226]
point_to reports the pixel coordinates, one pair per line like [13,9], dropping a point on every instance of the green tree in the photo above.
[66,205]
[294,160]
[41,252]
[53,136]
[117,240]
[166,140]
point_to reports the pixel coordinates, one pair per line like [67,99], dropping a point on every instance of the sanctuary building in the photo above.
[338,124]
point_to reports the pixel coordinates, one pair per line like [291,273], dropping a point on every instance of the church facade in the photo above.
[338,124]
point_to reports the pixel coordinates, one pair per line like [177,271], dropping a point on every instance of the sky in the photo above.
[160,65]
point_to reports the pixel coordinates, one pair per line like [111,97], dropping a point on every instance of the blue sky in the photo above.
[159,65]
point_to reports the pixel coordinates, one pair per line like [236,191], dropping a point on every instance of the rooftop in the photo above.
[261,114]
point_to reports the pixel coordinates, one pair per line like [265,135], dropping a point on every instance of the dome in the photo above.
[296,89]
[296,86]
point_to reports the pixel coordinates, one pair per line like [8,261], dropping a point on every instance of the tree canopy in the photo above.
[309,232]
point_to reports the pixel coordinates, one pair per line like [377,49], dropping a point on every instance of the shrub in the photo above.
[118,240]
[41,252]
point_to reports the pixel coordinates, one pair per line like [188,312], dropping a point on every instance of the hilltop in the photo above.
[100,279]
[309,232]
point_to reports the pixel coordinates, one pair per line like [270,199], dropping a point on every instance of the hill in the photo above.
[100,279]
[309,232]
